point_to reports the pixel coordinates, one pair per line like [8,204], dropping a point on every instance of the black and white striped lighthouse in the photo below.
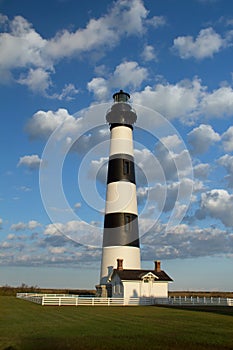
[121,235]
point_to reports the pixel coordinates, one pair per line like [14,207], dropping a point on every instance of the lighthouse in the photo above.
[121,235]
[121,275]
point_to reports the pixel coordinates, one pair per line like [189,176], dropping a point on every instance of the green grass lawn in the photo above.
[24,325]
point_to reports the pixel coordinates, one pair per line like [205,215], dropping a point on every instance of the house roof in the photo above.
[132,275]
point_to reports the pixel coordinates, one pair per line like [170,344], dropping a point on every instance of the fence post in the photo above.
[42,301]
[92,302]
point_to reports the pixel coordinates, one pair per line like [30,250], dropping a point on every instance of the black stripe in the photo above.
[121,169]
[114,125]
[121,229]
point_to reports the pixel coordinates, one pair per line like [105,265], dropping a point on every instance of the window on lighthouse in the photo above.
[127,222]
[125,167]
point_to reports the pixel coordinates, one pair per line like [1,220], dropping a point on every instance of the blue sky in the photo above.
[60,63]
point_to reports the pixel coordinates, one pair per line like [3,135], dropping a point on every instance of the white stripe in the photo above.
[121,140]
[130,256]
[121,198]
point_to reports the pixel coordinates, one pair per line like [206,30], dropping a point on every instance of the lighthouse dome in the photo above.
[122,113]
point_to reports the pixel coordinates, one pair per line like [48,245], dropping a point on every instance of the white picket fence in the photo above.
[75,300]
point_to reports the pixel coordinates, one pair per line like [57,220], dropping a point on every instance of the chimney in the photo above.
[157,266]
[119,264]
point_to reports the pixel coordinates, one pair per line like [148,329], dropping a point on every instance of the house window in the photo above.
[125,167]
[146,280]
[118,289]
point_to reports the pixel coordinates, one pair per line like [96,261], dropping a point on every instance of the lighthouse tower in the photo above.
[121,236]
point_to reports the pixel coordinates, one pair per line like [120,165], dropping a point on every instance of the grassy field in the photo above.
[24,326]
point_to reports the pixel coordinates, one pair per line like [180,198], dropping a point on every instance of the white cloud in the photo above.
[171,142]
[218,103]
[24,189]
[1,221]
[77,205]
[180,100]
[160,167]
[78,231]
[36,248]
[207,43]
[202,137]
[184,241]
[53,229]
[32,162]
[3,19]
[124,18]
[181,241]
[42,124]
[227,162]
[227,139]
[94,141]
[11,236]
[20,226]
[148,169]
[100,88]
[126,74]
[5,245]
[201,170]
[68,93]
[32,224]
[186,100]
[174,164]
[148,53]
[168,195]
[57,250]
[98,169]
[127,16]
[22,47]
[37,80]
[217,203]
[156,21]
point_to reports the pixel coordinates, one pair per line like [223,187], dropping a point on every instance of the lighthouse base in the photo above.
[130,255]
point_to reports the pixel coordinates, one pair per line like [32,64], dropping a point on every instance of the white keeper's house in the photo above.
[134,283]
